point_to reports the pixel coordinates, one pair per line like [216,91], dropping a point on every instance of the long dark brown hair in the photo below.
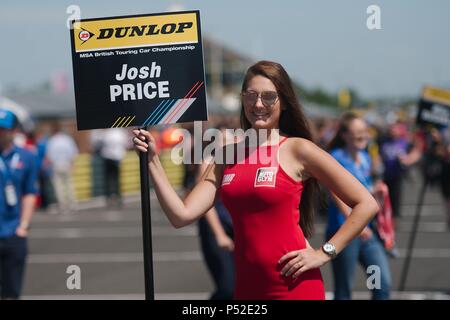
[344,125]
[293,123]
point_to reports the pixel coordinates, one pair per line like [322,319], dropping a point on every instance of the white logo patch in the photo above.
[266,177]
[227,178]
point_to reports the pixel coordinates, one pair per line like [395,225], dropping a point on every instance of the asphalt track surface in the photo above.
[106,244]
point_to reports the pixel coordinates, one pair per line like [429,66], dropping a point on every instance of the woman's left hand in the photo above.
[21,232]
[301,261]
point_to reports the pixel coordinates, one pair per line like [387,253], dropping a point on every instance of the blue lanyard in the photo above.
[358,171]
[7,171]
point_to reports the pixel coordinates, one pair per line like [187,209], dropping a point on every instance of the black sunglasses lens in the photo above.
[268,98]
[249,98]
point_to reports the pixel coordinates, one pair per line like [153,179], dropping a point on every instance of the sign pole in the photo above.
[146,226]
[413,234]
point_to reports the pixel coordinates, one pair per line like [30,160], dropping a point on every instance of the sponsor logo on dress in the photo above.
[227,178]
[266,177]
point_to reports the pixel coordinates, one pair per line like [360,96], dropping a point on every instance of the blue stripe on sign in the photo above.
[162,109]
[164,113]
[154,111]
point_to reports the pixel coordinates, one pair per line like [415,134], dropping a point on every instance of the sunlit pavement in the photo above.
[106,244]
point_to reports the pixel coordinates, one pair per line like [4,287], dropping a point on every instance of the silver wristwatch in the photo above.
[329,249]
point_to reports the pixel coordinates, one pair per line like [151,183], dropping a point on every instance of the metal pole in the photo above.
[412,236]
[146,226]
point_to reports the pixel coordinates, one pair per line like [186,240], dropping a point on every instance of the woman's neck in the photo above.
[354,153]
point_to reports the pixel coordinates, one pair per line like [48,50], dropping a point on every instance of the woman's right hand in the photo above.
[143,141]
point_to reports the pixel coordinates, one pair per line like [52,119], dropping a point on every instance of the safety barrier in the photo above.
[88,176]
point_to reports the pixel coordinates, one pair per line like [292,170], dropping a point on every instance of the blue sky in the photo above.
[321,43]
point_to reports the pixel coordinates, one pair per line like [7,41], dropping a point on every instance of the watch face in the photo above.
[328,247]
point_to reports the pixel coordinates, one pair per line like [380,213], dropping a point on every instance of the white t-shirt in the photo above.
[61,151]
[114,144]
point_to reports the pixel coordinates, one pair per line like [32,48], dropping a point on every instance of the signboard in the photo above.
[138,70]
[434,107]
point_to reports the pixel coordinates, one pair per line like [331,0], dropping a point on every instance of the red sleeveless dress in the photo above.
[263,201]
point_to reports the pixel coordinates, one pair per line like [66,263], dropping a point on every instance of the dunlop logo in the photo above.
[133,32]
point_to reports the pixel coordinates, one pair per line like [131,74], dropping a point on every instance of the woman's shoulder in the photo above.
[298,142]
[302,148]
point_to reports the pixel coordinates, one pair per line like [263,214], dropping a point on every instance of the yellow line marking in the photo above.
[121,122]
[129,122]
[115,122]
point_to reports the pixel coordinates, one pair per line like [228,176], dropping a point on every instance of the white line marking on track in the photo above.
[357,295]
[171,256]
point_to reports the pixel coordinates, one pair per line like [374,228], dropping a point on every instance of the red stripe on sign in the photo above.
[173,114]
[179,103]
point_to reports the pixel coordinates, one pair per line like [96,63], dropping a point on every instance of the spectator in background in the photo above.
[384,221]
[326,129]
[113,147]
[397,154]
[18,182]
[445,177]
[38,145]
[96,138]
[437,163]
[348,148]
[45,184]
[61,153]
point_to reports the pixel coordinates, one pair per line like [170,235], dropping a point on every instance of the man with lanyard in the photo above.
[18,188]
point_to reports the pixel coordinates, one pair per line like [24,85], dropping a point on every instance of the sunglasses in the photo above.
[268,98]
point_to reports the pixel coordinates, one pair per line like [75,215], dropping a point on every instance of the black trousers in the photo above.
[13,252]
[220,262]
[112,175]
[395,194]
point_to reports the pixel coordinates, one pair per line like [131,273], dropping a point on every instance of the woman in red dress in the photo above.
[270,199]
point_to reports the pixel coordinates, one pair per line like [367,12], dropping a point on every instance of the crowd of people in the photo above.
[36,173]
